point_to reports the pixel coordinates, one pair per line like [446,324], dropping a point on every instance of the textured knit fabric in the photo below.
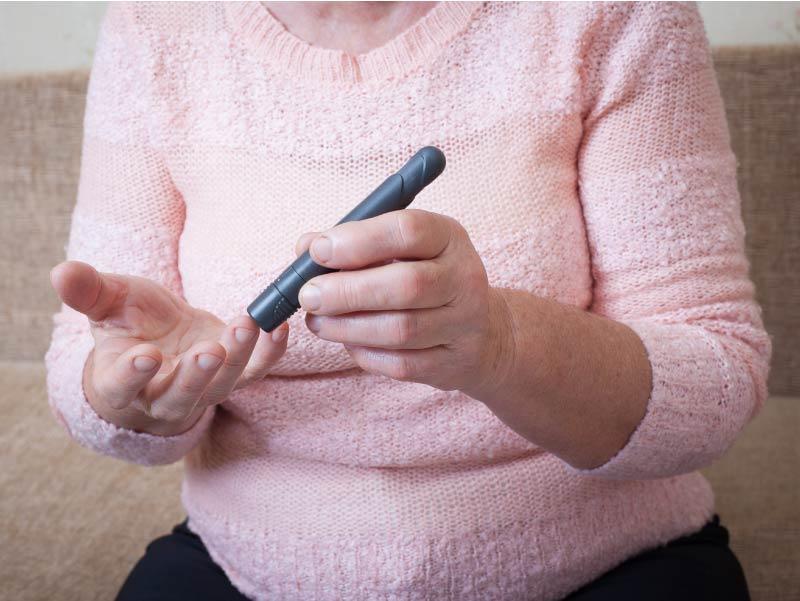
[589,160]
[696,567]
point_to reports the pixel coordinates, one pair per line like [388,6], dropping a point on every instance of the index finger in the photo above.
[403,234]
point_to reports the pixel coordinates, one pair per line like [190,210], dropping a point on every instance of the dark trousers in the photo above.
[698,567]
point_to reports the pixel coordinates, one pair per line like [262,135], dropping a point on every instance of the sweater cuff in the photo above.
[71,407]
[688,416]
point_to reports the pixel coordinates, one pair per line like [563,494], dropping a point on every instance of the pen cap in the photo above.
[421,169]
[399,190]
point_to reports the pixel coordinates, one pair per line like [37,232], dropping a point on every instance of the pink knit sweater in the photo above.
[589,160]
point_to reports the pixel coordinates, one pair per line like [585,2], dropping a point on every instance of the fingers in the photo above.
[83,288]
[178,393]
[303,242]
[239,339]
[404,234]
[423,365]
[269,348]
[119,379]
[204,375]
[401,285]
[414,329]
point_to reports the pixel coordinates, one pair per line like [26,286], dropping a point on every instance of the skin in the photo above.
[414,304]
[157,362]
[354,27]
[541,366]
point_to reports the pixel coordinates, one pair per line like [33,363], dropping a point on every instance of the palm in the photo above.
[151,313]
[156,353]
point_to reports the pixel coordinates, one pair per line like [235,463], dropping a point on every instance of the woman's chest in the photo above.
[263,164]
[516,195]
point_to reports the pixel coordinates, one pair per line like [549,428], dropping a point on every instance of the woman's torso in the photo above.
[323,479]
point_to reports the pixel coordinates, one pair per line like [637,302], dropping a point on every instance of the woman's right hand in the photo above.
[159,363]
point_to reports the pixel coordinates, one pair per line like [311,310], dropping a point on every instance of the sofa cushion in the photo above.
[73,522]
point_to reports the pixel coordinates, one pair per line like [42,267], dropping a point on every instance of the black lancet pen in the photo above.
[279,300]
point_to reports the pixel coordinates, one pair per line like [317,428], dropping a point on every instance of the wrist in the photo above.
[499,350]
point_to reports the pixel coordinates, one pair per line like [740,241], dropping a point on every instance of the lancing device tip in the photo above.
[279,300]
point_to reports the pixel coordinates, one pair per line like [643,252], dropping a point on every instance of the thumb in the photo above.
[86,290]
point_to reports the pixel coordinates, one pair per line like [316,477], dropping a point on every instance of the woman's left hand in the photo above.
[412,301]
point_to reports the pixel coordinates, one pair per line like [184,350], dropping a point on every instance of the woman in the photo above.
[506,391]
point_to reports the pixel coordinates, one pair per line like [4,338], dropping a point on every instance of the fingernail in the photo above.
[207,361]
[313,322]
[309,297]
[322,248]
[243,334]
[279,334]
[144,363]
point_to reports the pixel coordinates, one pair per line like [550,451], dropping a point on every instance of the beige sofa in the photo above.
[73,523]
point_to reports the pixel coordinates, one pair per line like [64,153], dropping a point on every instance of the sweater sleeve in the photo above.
[127,219]
[657,183]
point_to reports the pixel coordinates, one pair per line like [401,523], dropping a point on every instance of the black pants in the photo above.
[699,566]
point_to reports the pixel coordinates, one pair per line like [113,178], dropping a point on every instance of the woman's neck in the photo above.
[353,27]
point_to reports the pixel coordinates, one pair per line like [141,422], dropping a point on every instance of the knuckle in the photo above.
[250,375]
[187,386]
[405,329]
[475,278]
[349,291]
[115,401]
[425,279]
[410,228]
[166,412]
[382,296]
[257,369]
[214,395]
[110,390]
[415,281]
[371,369]
[457,228]
[233,363]
[480,276]
[403,369]
[243,381]
[102,387]
[157,411]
